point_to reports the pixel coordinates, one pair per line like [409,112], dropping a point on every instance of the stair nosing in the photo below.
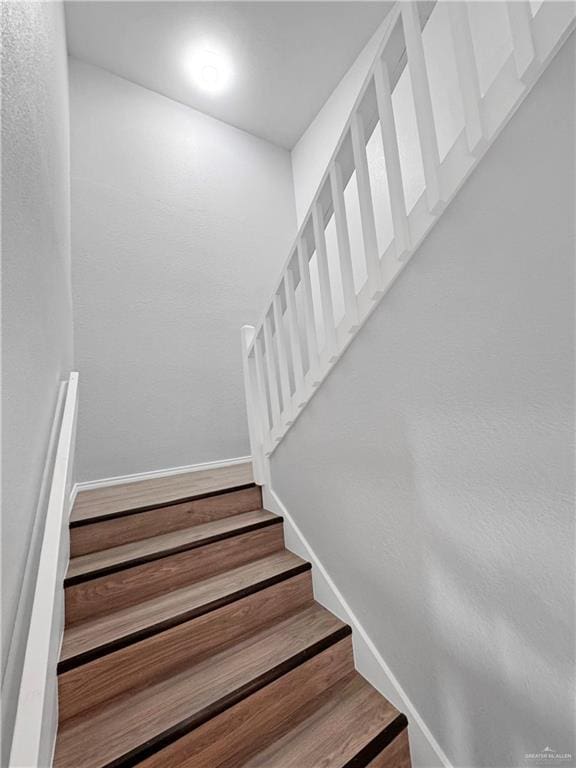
[102,518]
[379,743]
[81,578]
[174,732]
[73,662]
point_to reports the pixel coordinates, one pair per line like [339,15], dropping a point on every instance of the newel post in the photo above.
[259,458]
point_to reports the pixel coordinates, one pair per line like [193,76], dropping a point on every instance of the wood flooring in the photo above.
[193,640]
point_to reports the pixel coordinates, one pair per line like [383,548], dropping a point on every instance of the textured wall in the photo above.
[36,299]
[179,225]
[435,464]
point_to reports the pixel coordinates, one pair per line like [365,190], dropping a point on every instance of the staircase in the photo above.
[193,639]
[427,82]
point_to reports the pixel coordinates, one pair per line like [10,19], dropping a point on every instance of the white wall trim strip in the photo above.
[366,654]
[17,649]
[157,473]
[37,711]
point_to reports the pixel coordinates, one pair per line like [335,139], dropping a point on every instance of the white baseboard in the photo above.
[425,750]
[106,482]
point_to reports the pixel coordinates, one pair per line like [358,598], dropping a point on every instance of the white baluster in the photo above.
[467,74]
[294,333]
[309,319]
[324,280]
[344,255]
[520,18]
[373,270]
[250,388]
[282,360]
[422,105]
[392,158]
[262,397]
[272,379]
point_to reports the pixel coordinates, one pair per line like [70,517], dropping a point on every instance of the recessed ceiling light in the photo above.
[210,70]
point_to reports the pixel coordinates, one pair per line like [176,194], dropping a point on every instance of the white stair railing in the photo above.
[296,342]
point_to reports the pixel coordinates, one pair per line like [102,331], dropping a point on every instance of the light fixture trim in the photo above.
[210,70]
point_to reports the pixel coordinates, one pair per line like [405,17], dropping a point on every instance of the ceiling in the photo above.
[286,57]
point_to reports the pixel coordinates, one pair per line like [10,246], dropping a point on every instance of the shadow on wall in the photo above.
[490,654]
[528,670]
[435,465]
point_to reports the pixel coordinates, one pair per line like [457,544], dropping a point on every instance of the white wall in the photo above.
[435,464]
[179,225]
[36,302]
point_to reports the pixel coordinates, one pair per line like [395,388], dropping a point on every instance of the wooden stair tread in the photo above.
[146,661]
[89,639]
[94,597]
[138,723]
[113,500]
[95,535]
[135,553]
[352,720]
